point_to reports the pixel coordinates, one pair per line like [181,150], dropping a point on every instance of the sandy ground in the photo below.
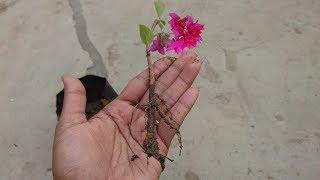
[258,112]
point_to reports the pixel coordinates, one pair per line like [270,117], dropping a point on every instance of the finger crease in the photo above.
[75,92]
[168,99]
[185,81]
[184,105]
[176,67]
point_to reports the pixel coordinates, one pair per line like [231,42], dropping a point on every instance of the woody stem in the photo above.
[151,110]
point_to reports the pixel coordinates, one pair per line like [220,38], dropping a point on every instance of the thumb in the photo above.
[74,102]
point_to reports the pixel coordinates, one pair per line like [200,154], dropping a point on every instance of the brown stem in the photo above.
[150,144]
[151,75]
[151,122]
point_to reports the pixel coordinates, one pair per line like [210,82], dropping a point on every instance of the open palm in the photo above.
[107,146]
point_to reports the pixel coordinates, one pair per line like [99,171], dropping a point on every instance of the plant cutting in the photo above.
[174,35]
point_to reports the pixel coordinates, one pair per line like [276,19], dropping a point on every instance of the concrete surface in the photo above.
[258,112]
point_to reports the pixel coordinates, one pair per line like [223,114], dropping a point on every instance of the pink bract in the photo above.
[187,33]
[157,46]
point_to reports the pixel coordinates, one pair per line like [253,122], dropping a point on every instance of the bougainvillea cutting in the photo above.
[163,36]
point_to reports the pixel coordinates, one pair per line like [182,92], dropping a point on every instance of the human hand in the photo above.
[103,146]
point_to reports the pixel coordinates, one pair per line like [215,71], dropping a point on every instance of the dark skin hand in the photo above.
[107,146]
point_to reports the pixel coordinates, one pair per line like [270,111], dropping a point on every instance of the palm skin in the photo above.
[103,146]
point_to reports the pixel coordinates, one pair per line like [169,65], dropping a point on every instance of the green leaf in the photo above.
[162,24]
[160,6]
[146,34]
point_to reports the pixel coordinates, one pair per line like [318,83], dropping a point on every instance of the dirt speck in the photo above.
[317,134]
[191,176]
[279,117]
[269,177]
[297,31]
[222,99]
[294,60]
[28,167]
[296,141]
[3,6]
[58,11]
[295,156]
[58,3]
[113,54]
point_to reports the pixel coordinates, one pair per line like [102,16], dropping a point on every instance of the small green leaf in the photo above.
[159,5]
[146,34]
[162,24]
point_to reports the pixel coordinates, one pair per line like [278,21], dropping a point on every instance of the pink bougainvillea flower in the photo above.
[157,46]
[187,33]
[176,45]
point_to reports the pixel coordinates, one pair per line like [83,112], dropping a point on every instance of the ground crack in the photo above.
[84,40]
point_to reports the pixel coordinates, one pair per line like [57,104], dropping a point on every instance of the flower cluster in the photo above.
[186,34]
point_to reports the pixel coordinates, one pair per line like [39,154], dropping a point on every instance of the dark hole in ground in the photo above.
[98,91]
